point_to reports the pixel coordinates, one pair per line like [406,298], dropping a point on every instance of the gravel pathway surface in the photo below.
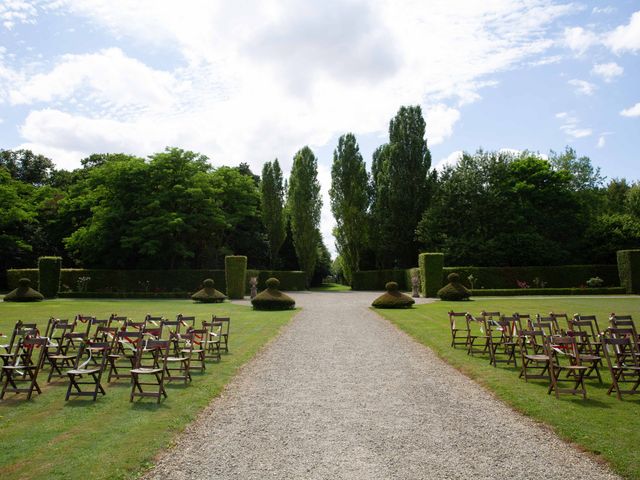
[343,394]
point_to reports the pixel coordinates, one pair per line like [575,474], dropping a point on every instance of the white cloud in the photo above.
[625,37]
[633,111]
[605,10]
[570,126]
[582,86]
[440,120]
[607,71]
[579,40]
[14,12]
[450,160]
[601,141]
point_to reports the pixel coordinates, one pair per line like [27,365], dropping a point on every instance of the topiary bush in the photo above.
[208,294]
[629,270]
[272,298]
[454,290]
[430,265]
[49,276]
[393,298]
[24,293]
[235,268]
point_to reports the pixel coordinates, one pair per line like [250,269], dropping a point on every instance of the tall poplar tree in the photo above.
[401,181]
[349,202]
[273,212]
[305,203]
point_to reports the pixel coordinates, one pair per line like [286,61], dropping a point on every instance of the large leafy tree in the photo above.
[401,188]
[273,208]
[350,196]
[26,166]
[304,204]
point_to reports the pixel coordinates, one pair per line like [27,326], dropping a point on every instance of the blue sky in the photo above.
[250,81]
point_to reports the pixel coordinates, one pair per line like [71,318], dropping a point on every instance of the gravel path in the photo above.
[344,394]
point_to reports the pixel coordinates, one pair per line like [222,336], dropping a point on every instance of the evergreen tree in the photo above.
[349,202]
[273,212]
[304,204]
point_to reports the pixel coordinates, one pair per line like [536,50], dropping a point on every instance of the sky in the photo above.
[250,81]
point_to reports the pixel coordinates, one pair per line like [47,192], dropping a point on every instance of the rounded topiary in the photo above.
[273,299]
[393,298]
[208,294]
[454,290]
[24,293]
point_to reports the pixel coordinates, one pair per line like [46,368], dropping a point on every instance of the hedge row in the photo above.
[140,295]
[565,276]
[629,270]
[152,281]
[376,279]
[514,292]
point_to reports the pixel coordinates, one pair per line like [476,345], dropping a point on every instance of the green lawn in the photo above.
[331,287]
[112,438]
[602,424]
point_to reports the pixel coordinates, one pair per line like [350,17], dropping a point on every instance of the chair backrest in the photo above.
[623,321]
[29,346]
[188,321]
[558,317]
[585,324]
[530,341]
[159,346]
[549,325]
[452,320]
[524,320]
[226,323]
[620,350]
[130,325]
[566,345]
[510,326]
[93,323]
[105,334]
[120,319]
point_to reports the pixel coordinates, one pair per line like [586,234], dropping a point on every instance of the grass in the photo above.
[113,438]
[331,287]
[602,425]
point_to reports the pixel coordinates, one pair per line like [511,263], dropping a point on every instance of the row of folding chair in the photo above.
[146,353]
[547,350]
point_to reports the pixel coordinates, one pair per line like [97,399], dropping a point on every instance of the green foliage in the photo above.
[431,268]
[609,233]
[236,275]
[497,208]
[594,282]
[516,292]
[273,211]
[24,293]
[565,276]
[376,279]
[27,167]
[454,290]
[583,175]
[629,270]
[208,294]
[304,204]
[323,265]
[49,276]
[272,298]
[15,274]
[401,188]
[632,200]
[350,197]
[393,298]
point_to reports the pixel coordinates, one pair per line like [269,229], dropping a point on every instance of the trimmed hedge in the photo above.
[514,292]
[377,279]
[564,276]
[393,298]
[15,274]
[49,276]
[629,270]
[24,293]
[142,295]
[272,298]
[289,280]
[235,269]
[431,273]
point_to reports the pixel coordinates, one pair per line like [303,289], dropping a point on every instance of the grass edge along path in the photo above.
[602,425]
[113,438]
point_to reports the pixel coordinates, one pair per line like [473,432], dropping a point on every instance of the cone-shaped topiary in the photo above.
[24,293]
[393,298]
[208,294]
[454,290]
[272,298]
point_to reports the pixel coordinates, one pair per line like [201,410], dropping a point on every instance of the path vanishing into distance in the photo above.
[344,394]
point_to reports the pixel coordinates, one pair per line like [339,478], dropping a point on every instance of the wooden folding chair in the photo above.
[23,369]
[12,348]
[625,321]
[502,337]
[477,340]
[64,354]
[226,325]
[155,372]
[179,365]
[623,363]
[458,335]
[126,345]
[557,318]
[565,348]
[213,339]
[82,370]
[187,321]
[198,339]
[589,325]
[627,354]
[549,325]
[535,365]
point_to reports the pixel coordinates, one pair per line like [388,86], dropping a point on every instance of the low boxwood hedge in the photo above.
[141,295]
[514,292]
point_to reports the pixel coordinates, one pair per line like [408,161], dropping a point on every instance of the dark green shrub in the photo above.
[376,279]
[393,298]
[208,294]
[49,276]
[431,266]
[514,292]
[272,298]
[629,270]
[15,274]
[454,290]
[24,293]
[235,270]
[289,280]
[141,295]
